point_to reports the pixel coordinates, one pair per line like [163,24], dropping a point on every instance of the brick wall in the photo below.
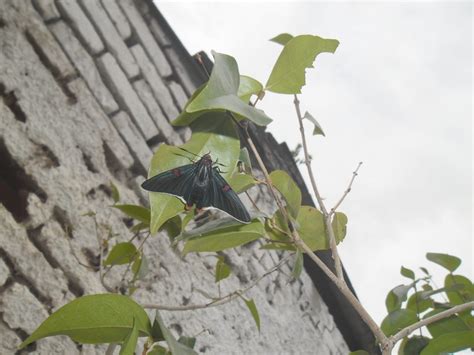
[87,91]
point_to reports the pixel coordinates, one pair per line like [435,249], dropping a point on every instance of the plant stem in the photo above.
[327,216]
[346,192]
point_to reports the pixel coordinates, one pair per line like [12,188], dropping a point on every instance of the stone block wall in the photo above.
[87,91]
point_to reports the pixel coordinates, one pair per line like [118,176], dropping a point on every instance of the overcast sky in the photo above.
[397,95]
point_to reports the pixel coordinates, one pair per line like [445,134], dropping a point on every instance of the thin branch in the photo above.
[327,216]
[346,192]
[445,314]
[222,300]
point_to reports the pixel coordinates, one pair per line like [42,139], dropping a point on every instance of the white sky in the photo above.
[397,95]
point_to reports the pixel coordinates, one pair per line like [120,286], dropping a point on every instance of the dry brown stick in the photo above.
[346,192]
[327,216]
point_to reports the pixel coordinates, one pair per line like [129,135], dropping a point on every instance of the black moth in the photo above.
[199,183]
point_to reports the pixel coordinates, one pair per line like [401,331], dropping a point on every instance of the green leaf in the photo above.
[139,227]
[222,269]
[282,38]
[121,253]
[418,304]
[339,225]
[225,238]
[158,350]
[425,271]
[94,319]
[288,74]
[115,192]
[397,320]
[288,188]
[449,343]
[446,325]
[413,345]
[298,266]
[278,246]
[173,226]
[317,128]
[241,182]
[311,228]
[447,261]
[185,118]
[253,311]
[397,296]
[459,289]
[244,158]
[248,86]
[139,213]
[210,133]
[175,347]
[130,343]
[407,273]
[140,267]
[188,341]
[220,93]
[275,228]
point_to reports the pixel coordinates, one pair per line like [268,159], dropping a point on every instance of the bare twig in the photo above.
[327,216]
[346,192]
[222,300]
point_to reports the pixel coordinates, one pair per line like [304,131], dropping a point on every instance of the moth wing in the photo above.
[221,196]
[177,182]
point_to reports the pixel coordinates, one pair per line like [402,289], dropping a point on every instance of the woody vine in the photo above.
[218,113]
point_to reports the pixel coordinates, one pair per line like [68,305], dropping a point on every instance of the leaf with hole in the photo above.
[121,253]
[225,238]
[397,296]
[247,87]
[447,261]
[317,127]
[288,188]
[139,213]
[299,53]
[221,92]
[94,319]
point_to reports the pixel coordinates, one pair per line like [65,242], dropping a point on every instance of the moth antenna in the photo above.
[187,151]
[184,156]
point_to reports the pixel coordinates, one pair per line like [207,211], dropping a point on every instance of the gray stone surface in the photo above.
[112,39]
[81,24]
[118,18]
[84,64]
[47,9]
[4,273]
[134,140]
[178,93]
[180,70]
[166,131]
[161,92]
[145,38]
[126,95]
[65,154]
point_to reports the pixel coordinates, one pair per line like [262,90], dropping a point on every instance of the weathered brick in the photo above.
[166,131]
[47,9]
[134,140]
[21,310]
[81,24]
[178,93]
[146,38]
[9,341]
[50,49]
[4,273]
[162,94]
[181,70]
[118,18]
[111,37]
[158,32]
[84,64]
[126,95]
[28,261]
[107,130]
